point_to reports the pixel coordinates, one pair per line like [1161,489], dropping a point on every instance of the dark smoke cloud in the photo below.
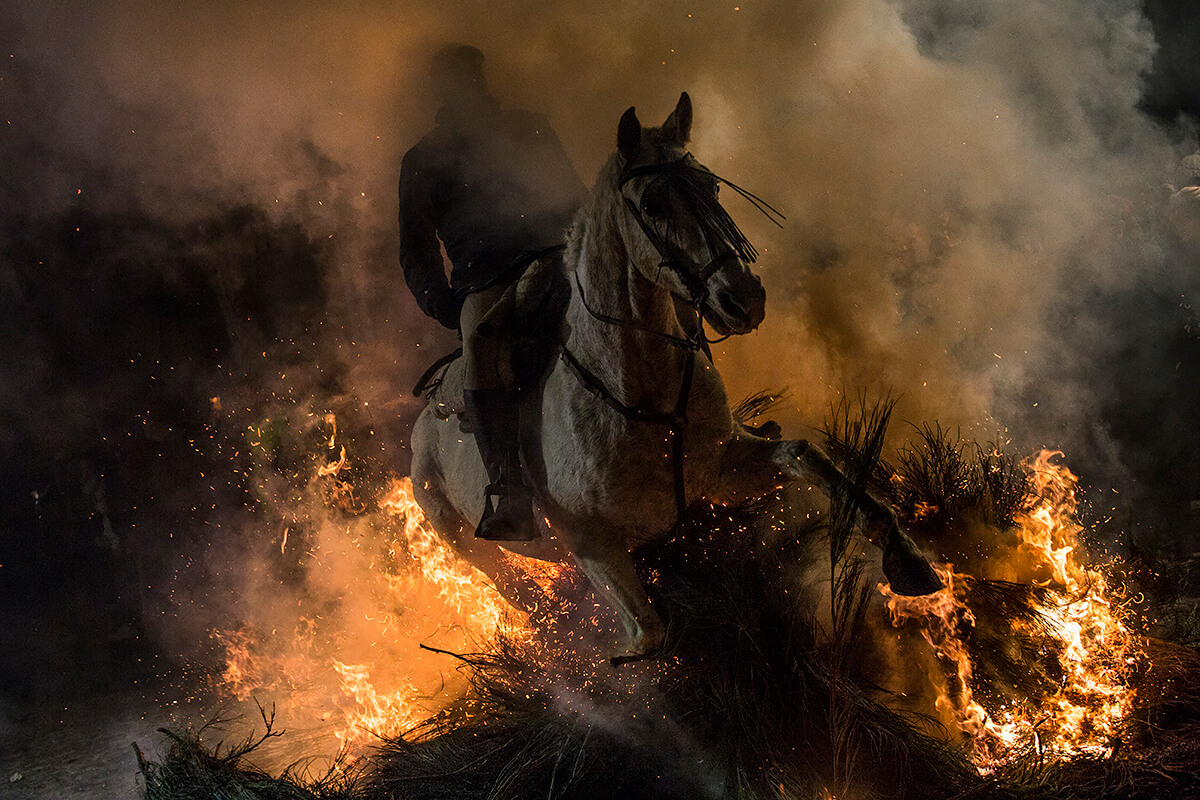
[1173,89]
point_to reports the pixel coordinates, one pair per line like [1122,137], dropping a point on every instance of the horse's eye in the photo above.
[652,206]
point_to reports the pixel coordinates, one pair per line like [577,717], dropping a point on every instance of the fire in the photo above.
[373,711]
[242,673]
[333,468]
[378,583]
[459,584]
[1086,711]
[432,563]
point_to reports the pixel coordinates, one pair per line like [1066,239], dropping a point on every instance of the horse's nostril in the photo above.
[731,305]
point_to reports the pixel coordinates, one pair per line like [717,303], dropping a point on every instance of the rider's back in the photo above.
[496,184]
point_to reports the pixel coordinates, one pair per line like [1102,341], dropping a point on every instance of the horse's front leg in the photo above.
[603,555]
[752,467]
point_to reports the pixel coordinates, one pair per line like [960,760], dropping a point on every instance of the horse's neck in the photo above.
[640,368]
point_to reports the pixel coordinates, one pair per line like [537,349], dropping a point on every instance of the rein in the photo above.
[686,343]
[676,420]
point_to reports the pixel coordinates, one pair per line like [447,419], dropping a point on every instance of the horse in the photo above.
[632,426]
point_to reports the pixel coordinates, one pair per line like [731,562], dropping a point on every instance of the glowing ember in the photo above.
[552,577]
[1085,714]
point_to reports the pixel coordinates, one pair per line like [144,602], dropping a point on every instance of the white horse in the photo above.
[634,424]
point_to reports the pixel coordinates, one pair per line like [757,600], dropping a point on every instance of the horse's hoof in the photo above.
[909,573]
[620,661]
[768,430]
[920,582]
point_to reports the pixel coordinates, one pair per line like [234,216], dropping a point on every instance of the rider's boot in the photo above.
[493,414]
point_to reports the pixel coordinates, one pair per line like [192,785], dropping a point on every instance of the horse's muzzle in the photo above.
[736,301]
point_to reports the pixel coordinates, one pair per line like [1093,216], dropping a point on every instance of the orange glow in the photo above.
[379,582]
[1085,713]
[242,673]
[335,467]
[459,584]
[372,712]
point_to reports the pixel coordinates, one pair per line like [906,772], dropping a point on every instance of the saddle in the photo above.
[528,316]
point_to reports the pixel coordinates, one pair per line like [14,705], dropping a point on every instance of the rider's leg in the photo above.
[481,354]
[492,413]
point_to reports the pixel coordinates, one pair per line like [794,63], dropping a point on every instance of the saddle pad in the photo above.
[446,400]
[529,314]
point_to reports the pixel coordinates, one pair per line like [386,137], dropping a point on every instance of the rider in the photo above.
[496,187]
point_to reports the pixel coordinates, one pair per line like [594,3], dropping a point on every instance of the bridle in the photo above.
[684,175]
[671,256]
[693,182]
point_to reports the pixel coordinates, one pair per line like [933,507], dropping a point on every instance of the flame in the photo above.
[940,616]
[392,583]
[1086,712]
[331,421]
[374,712]
[242,674]
[458,584]
[377,585]
[335,467]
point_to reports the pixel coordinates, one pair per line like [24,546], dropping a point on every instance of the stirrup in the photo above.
[516,525]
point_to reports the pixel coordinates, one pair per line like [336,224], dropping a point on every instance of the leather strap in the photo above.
[676,420]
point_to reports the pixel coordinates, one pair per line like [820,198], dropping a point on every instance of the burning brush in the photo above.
[756,695]
[1067,614]
[349,582]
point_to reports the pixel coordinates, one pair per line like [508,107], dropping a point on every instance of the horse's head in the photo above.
[676,230]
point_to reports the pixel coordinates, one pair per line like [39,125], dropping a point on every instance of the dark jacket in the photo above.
[492,184]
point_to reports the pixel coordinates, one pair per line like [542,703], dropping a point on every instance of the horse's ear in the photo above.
[679,125]
[629,136]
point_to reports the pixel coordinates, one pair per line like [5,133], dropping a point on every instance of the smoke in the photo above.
[943,168]
[973,200]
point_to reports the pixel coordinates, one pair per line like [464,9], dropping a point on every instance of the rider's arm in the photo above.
[420,253]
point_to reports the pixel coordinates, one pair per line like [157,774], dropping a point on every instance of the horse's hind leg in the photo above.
[518,589]
[752,467]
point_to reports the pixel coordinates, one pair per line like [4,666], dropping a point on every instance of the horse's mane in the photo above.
[596,221]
